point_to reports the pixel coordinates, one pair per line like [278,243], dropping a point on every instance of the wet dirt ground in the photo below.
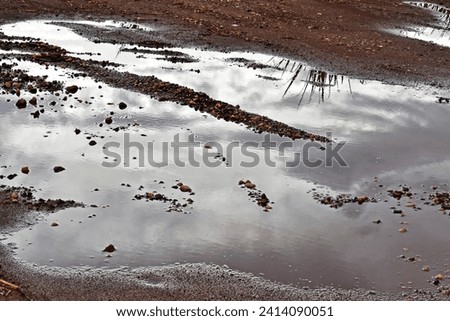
[384,225]
[343,35]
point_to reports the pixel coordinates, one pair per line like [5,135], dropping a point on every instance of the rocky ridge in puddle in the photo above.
[23,197]
[175,205]
[256,195]
[162,91]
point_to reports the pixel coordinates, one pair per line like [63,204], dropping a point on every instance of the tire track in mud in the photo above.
[166,91]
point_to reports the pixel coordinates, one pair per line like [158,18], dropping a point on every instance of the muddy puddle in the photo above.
[438,34]
[395,138]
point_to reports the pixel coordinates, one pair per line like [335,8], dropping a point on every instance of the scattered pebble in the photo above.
[185,189]
[21,103]
[72,89]
[11,176]
[110,248]
[363,199]
[250,185]
[439,277]
[58,169]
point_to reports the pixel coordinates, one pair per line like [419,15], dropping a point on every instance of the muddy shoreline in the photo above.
[381,58]
[196,282]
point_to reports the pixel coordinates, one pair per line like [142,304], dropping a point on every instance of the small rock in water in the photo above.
[36,114]
[150,195]
[92,143]
[108,120]
[72,89]
[33,101]
[363,199]
[54,224]
[403,230]
[122,105]
[396,194]
[58,169]
[77,131]
[249,184]
[185,189]
[263,200]
[25,170]
[110,248]
[21,103]
[426,268]
[11,176]
[439,277]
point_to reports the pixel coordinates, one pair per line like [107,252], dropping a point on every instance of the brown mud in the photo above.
[343,35]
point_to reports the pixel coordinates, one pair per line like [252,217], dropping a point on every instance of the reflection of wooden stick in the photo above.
[9,285]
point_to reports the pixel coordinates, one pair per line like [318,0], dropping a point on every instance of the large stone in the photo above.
[21,103]
[110,248]
[72,89]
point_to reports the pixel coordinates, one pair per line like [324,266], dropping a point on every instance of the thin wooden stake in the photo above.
[9,285]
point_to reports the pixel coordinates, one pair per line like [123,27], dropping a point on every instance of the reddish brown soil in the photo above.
[342,35]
